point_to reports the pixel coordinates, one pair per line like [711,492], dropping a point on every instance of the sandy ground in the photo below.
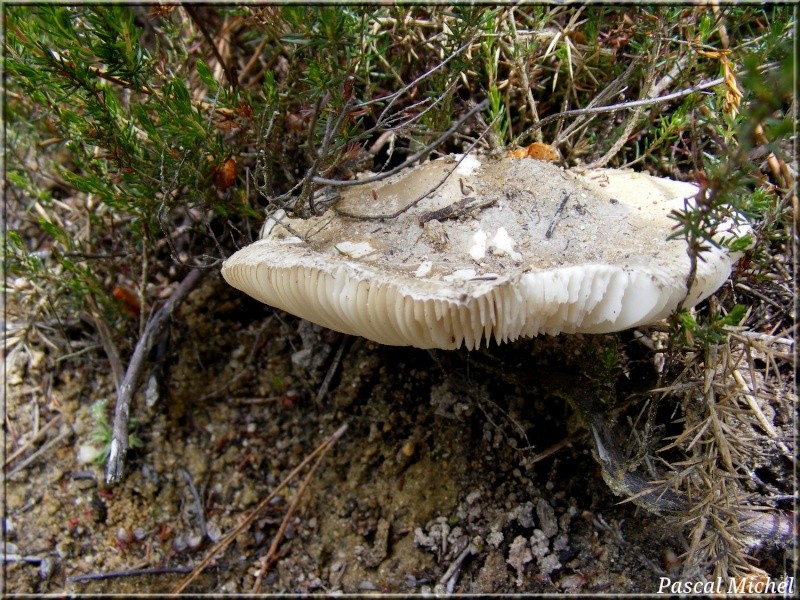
[437,484]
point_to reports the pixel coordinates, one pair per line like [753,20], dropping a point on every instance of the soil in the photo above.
[438,484]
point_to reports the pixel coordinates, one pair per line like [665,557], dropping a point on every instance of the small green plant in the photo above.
[490,55]
[278,384]
[101,431]
[709,329]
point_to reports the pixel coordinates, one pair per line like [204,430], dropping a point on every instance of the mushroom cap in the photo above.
[501,249]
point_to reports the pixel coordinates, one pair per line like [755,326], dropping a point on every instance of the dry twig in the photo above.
[427,192]
[326,382]
[198,20]
[156,323]
[633,118]
[272,554]
[198,502]
[410,160]
[127,573]
[19,451]
[41,451]
[320,451]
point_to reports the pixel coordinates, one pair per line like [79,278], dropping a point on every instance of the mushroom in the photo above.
[463,250]
[466,249]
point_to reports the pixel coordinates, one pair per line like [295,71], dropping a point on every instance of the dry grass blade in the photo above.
[272,555]
[633,118]
[200,22]
[67,432]
[21,450]
[320,451]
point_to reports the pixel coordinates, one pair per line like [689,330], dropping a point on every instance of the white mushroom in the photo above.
[524,247]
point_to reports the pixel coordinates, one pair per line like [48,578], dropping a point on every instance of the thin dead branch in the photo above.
[198,502]
[326,382]
[413,203]
[41,451]
[127,573]
[21,450]
[198,20]
[633,118]
[156,323]
[413,158]
[112,353]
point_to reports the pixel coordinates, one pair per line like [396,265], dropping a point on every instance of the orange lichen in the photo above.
[536,150]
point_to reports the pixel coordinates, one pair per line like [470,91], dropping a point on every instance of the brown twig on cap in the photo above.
[119,436]
[549,233]
[457,209]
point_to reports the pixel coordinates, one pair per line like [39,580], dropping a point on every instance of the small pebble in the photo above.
[46,568]
[408,449]
[179,543]
[124,536]
[213,531]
